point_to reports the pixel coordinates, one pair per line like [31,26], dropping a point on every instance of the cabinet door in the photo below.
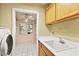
[48,53]
[50,14]
[65,9]
[40,50]
[42,53]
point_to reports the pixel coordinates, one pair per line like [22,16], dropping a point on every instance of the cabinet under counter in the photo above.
[44,51]
[50,46]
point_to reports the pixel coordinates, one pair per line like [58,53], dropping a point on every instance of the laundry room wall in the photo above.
[6,16]
[0,17]
[67,29]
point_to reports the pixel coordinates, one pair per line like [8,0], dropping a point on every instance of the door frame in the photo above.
[14,10]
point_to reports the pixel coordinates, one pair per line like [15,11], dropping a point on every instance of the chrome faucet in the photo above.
[61,40]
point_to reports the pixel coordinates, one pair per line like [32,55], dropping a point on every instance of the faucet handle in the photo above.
[61,40]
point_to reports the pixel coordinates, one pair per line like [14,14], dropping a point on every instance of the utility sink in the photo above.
[58,46]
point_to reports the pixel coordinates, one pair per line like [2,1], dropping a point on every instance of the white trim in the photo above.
[14,10]
[13,27]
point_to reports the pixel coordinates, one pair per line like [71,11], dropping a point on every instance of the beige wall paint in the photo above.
[6,16]
[67,29]
[0,13]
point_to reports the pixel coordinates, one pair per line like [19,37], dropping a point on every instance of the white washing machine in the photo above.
[6,42]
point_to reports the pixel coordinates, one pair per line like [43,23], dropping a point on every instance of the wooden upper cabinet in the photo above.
[50,14]
[64,10]
[57,12]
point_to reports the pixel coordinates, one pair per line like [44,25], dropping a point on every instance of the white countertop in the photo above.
[68,52]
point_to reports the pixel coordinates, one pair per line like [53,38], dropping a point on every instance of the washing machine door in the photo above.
[6,45]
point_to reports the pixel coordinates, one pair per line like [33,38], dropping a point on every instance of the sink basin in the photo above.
[57,46]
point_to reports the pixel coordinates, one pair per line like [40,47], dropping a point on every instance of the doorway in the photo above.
[25,28]
[24,32]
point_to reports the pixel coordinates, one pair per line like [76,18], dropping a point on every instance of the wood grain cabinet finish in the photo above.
[50,14]
[66,9]
[43,51]
[58,12]
[48,53]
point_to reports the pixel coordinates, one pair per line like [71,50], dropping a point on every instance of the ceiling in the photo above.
[37,4]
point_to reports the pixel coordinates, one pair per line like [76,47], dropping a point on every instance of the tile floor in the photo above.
[28,49]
